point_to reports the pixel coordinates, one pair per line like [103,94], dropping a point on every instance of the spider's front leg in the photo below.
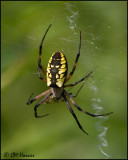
[39,60]
[38,104]
[37,97]
[30,100]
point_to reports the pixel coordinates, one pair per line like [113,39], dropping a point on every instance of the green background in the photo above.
[103,26]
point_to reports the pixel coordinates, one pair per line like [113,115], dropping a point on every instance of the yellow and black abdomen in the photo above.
[57,70]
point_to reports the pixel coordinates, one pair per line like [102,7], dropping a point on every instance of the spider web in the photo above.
[102,130]
[72,19]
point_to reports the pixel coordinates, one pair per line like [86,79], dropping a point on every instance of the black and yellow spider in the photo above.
[56,76]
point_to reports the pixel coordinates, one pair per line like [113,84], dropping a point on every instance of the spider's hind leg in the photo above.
[72,112]
[80,109]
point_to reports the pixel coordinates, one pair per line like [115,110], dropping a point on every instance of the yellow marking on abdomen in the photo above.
[50,60]
[63,58]
[48,70]
[61,75]
[62,70]
[60,82]
[57,66]
[62,62]
[50,76]
[52,66]
[63,66]
[57,76]
[47,74]
[48,81]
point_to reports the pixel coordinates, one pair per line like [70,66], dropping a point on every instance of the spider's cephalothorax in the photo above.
[56,75]
[56,70]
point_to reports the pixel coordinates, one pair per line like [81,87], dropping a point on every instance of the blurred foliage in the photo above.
[104,45]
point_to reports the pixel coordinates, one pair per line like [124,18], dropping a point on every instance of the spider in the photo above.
[56,77]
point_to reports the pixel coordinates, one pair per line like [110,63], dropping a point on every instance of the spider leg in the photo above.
[74,66]
[79,89]
[37,97]
[39,60]
[38,104]
[90,114]
[74,96]
[72,112]
[86,77]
